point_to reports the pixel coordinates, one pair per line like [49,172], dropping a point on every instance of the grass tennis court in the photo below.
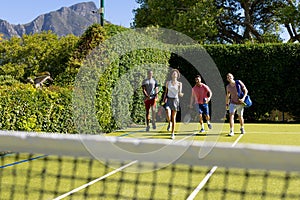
[21,179]
[279,134]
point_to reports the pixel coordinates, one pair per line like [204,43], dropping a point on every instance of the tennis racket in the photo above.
[153,92]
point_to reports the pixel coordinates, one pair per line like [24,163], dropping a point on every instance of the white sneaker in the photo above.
[173,136]
[243,131]
[209,125]
[231,133]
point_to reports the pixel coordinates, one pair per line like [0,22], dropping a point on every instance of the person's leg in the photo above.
[147,106]
[147,120]
[240,112]
[231,122]
[201,123]
[173,120]
[168,115]
[241,119]
[153,109]
[169,107]
[200,111]
[207,116]
[232,108]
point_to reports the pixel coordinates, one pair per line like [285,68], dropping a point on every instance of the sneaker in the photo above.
[209,126]
[202,130]
[231,134]
[242,131]
[169,126]
[153,125]
[147,128]
[173,136]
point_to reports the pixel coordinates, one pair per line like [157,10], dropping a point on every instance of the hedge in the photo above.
[25,108]
[270,72]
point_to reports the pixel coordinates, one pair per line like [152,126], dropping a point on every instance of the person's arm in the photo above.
[145,92]
[166,92]
[180,89]
[227,99]
[243,87]
[192,99]
[209,95]
[156,91]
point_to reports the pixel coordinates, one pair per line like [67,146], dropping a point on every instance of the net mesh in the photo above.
[35,166]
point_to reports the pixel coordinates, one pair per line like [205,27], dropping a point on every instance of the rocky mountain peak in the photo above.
[66,20]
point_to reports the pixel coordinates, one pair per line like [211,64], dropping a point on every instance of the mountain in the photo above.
[67,20]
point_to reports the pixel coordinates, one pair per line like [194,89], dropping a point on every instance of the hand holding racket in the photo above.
[153,92]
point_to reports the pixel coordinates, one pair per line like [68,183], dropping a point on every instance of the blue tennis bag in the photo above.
[248,101]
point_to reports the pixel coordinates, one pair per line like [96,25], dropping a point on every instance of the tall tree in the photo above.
[222,21]
[288,14]
[247,20]
[192,17]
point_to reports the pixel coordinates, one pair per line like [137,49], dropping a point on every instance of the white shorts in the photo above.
[239,108]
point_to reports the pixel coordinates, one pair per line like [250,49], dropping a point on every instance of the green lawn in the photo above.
[279,134]
[26,180]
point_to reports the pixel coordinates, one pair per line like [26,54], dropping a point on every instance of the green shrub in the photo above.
[25,108]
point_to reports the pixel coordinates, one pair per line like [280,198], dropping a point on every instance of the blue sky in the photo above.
[118,12]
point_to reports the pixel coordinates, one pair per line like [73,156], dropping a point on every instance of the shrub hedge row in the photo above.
[270,72]
[27,109]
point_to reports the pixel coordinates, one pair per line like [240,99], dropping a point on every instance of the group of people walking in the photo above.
[200,97]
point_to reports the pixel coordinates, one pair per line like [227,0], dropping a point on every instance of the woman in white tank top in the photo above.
[174,91]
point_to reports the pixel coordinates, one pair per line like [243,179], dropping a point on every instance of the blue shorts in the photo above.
[202,109]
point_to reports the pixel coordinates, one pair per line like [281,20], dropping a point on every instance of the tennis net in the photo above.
[61,166]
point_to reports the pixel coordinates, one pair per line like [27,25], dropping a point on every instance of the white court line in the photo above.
[94,181]
[278,132]
[107,175]
[208,175]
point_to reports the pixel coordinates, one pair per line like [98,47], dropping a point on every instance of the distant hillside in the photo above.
[67,20]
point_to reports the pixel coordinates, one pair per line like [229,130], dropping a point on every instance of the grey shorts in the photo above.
[173,103]
[239,108]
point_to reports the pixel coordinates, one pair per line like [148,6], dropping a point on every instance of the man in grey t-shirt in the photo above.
[150,90]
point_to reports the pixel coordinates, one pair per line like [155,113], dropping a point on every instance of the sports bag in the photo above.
[248,101]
